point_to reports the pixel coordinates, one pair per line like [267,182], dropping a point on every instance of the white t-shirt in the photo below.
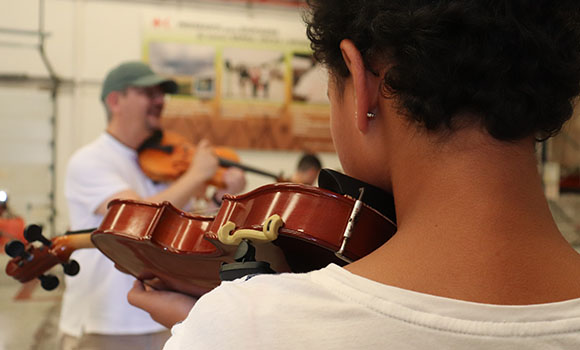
[95,300]
[335,309]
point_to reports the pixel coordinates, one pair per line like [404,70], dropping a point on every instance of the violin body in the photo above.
[184,252]
[167,155]
[293,227]
[162,245]
[314,222]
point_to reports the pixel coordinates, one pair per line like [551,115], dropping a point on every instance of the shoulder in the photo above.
[89,153]
[277,300]
[95,157]
[262,290]
[257,291]
[282,301]
[99,169]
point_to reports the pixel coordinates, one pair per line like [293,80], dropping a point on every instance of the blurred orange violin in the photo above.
[166,155]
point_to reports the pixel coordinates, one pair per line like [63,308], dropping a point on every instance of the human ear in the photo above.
[365,84]
[112,100]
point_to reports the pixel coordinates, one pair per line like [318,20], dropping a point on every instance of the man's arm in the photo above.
[201,169]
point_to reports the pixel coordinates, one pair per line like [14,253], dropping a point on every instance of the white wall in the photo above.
[87,38]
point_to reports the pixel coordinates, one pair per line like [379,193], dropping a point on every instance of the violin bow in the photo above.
[228,163]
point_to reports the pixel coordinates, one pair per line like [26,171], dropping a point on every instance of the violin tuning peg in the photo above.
[71,268]
[33,233]
[16,248]
[48,282]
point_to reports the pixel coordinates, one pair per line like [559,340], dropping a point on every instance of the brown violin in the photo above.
[166,155]
[31,261]
[293,228]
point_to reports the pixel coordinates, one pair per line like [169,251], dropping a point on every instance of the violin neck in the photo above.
[228,163]
[65,245]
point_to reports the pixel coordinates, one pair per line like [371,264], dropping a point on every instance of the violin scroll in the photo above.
[30,261]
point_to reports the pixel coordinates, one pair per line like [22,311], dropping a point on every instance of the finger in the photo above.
[138,285]
[235,171]
[204,143]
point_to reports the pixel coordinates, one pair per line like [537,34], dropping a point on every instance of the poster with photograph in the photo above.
[309,79]
[253,75]
[191,66]
[242,84]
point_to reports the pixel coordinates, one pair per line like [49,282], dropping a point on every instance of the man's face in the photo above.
[142,106]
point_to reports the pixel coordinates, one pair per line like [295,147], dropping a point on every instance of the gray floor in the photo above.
[30,322]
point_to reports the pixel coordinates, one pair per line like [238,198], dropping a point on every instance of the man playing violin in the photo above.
[95,313]
[439,102]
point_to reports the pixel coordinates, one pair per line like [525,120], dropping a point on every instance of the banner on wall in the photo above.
[242,83]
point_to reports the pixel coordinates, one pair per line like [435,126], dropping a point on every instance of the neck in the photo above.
[470,216]
[478,185]
[129,136]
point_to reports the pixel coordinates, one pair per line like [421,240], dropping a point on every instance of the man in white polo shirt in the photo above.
[95,313]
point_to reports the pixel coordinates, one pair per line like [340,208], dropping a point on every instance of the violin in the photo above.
[29,261]
[166,155]
[294,227]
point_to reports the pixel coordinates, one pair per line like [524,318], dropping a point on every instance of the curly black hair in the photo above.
[515,64]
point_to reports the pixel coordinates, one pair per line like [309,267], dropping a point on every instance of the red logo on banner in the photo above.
[161,22]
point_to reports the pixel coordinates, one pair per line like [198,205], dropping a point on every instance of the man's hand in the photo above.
[235,180]
[204,163]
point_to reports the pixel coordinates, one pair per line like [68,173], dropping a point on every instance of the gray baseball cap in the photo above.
[135,74]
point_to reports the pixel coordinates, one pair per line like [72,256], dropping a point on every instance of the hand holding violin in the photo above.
[165,307]
[234,180]
[204,168]
[204,163]
[166,156]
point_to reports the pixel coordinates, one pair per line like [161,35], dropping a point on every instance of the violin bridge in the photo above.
[269,232]
[352,219]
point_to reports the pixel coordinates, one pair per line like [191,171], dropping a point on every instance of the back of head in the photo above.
[309,161]
[513,64]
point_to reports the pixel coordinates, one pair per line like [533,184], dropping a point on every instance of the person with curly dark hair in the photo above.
[440,102]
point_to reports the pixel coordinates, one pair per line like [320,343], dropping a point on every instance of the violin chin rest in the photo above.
[235,270]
